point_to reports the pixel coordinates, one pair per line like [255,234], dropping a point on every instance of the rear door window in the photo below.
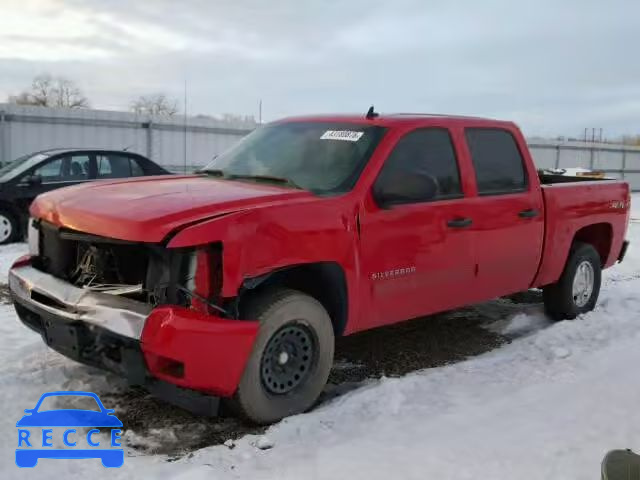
[113,166]
[497,161]
[136,168]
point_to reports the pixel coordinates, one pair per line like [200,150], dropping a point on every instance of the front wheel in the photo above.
[577,290]
[291,358]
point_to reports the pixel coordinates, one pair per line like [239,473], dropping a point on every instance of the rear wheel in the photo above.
[577,290]
[291,358]
[8,227]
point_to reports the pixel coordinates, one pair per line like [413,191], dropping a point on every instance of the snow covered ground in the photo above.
[546,406]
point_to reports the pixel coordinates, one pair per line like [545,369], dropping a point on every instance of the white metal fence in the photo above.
[183,145]
[170,141]
[618,161]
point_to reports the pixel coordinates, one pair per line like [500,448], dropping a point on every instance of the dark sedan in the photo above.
[27,177]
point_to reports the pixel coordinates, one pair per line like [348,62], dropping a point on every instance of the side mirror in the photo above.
[404,187]
[33,180]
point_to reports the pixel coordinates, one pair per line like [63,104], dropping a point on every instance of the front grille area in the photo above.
[146,272]
[136,270]
[84,259]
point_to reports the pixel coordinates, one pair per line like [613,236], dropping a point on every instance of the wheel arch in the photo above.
[598,235]
[324,281]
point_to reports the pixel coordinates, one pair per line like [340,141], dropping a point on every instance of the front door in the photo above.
[418,256]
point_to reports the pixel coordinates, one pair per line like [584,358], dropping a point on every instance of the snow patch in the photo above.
[548,405]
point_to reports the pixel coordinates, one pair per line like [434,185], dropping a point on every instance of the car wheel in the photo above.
[291,357]
[577,290]
[8,227]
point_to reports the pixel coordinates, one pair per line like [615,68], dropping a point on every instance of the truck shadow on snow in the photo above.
[152,426]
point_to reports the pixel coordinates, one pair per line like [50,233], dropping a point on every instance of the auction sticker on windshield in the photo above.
[345,135]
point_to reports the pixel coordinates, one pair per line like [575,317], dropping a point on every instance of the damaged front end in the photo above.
[150,313]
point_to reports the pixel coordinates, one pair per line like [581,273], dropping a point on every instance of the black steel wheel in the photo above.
[291,357]
[288,359]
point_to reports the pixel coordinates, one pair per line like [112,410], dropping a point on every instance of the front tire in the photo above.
[291,358]
[577,290]
[9,227]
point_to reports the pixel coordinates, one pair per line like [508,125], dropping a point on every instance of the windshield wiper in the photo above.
[268,178]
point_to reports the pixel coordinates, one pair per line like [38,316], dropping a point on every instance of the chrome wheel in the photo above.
[6,228]
[583,281]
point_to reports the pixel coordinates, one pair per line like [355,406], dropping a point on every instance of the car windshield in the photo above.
[324,158]
[20,164]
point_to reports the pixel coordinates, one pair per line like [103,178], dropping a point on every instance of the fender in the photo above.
[257,242]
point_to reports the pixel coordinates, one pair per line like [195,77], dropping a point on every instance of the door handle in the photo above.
[459,223]
[529,213]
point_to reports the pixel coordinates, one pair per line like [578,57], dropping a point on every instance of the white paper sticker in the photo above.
[345,135]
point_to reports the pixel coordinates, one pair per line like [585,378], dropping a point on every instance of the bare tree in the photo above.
[155,104]
[49,91]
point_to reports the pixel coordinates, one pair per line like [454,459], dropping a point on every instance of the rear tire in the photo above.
[9,227]
[577,290]
[291,357]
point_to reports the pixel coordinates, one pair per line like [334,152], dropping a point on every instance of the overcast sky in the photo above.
[553,66]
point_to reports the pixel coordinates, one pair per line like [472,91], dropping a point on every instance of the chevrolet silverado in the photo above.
[233,283]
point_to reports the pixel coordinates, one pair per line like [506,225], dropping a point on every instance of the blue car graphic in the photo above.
[28,457]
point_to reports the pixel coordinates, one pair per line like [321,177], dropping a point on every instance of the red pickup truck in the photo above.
[233,283]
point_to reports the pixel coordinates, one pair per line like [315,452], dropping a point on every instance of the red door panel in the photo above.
[508,245]
[413,264]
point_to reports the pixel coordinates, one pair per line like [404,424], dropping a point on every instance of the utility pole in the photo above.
[260,111]
[185,127]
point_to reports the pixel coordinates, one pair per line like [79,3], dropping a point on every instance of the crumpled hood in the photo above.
[149,208]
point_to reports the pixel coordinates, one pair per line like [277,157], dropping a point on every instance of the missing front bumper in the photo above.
[183,356]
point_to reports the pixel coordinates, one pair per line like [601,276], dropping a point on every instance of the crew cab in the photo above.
[233,284]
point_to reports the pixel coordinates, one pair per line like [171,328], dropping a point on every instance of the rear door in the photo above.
[417,257]
[507,212]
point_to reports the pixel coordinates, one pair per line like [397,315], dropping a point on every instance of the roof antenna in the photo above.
[371,113]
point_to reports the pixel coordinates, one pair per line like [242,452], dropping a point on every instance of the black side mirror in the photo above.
[33,180]
[402,186]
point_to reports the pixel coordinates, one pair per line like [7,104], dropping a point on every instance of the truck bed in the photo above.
[597,209]
[547,178]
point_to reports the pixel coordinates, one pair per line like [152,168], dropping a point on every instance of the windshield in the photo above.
[320,157]
[20,164]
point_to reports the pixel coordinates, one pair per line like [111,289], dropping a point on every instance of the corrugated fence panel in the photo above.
[26,129]
[634,180]
[544,157]
[575,158]
[186,144]
[632,161]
